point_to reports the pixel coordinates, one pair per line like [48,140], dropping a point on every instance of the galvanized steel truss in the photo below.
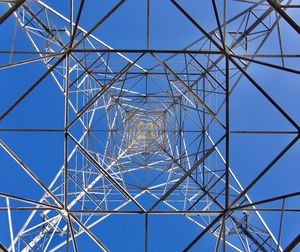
[107,91]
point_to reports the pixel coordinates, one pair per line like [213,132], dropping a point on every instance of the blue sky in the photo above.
[126,29]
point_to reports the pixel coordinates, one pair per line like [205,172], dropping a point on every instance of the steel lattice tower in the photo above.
[153,131]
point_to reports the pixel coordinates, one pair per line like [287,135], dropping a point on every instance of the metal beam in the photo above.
[11,10]
[277,6]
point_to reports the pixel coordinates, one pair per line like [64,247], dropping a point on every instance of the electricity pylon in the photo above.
[148,131]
